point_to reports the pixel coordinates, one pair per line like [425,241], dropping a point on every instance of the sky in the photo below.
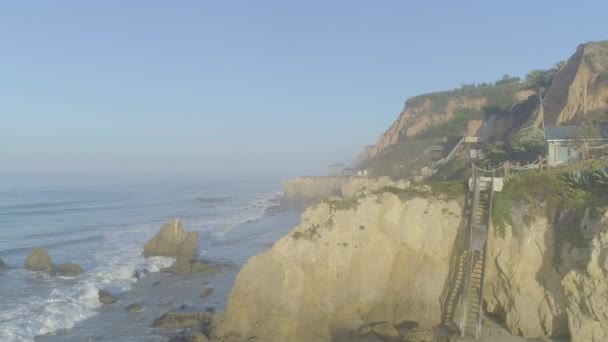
[248,88]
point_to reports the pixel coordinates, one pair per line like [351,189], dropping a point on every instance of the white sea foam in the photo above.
[51,304]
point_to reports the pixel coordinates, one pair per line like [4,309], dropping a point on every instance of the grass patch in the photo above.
[400,160]
[455,169]
[544,191]
[443,190]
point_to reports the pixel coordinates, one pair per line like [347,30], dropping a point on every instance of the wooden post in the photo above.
[506,166]
[585,151]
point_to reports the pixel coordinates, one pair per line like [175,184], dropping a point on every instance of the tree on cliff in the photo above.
[507,79]
[539,80]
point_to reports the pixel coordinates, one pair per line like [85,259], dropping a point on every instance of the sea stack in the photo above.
[39,260]
[173,241]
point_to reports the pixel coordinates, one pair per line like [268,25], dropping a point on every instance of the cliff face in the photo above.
[525,269]
[580,88]
[579,91]
[586,292]
[418,115]
[384,260]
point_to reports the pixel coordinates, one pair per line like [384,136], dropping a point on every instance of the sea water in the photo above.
[102,225]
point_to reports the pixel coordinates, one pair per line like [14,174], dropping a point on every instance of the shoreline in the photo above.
[160,292]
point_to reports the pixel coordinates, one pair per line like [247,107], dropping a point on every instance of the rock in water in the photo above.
[133,308]
[208,291]
[173,241]
[2,265]
[198,337]
[105,297]
[194,337]
[184,266]
[68,269]
[182,320]
[39,260]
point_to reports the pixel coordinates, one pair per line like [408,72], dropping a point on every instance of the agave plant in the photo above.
[601,177]
[579,179]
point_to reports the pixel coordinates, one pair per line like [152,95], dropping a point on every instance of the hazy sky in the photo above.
[258,88]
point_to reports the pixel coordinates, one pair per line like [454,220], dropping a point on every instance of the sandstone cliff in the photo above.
[579,92]
[586,291]
[580,89]
[384,258]
[523,284]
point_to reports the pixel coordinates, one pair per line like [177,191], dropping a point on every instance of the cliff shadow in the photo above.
[454,285]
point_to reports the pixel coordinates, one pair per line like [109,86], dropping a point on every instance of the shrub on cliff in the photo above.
[528,143]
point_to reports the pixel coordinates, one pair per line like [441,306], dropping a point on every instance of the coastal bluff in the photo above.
[305,191]
[381,260]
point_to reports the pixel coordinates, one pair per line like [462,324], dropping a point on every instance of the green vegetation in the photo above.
[528,140]
[506,79]
[400,161]
[310,234]
[500,96]
[442,190]
[343,203]
[452,170]
[456,126]
[544,191]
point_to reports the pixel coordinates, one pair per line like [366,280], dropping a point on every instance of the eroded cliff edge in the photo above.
[383,258]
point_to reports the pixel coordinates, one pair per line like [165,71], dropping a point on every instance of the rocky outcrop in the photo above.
[105,297]
[385,259]
[304,191]
[197,266]
[586,291]
[580,88]
[68,269]
[173,241]
[182,320]
[133,308]
[39,260]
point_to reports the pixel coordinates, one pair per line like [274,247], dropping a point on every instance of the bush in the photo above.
[528,140]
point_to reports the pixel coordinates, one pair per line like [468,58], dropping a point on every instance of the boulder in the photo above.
[2,265]
[207,292]
[133,308]
[173,241]
[192,266]
[386,331]
[105,297]
[68,269]
[181,320]
[39,260]
[194,337]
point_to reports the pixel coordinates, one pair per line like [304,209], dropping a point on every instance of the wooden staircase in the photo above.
[472,296]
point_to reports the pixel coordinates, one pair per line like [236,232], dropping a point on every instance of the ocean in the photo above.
[102,226]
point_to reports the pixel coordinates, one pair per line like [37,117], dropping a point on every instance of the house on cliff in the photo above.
[571,142]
